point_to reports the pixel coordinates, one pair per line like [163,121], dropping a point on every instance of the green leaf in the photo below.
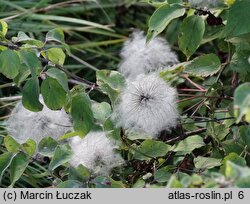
[80,173]
[116,184]
[174,182]
[70,184]
[217,131]
[244,134]
[155,3]
[11,144]
[106,182]
[113,78]
[68,135]
[140,183]
[233,157]
[189,144]
[239,62]
[243,182]
[238,17]
[212,33]
[147,176]
[234,171]
[110,82]
[206,162]
[230,2]
[101,111]
[106,89]
[23,74]
[29,147]
[60,76]
[162,17]
[17,167]
[151,148]
[47,146]
[55,35]
[9,63]
[132,135]
[55,55]
[196,179]
[30,98]
[102,182]
[172,75]
[82,114]
[242,102]
[190,34]
[230,145]
[22,37]
[32,61]
[112,131]
[3,28]
[62,155]
[205,65]
[163,174]
[54,95]
[5,161]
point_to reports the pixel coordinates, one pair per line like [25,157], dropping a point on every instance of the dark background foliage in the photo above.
[209,148]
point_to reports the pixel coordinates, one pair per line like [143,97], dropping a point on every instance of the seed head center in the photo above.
[144,98]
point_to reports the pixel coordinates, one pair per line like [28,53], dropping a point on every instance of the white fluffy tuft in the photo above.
[205,3]
[24,124]
[139,57]
[96,152]
[147,105]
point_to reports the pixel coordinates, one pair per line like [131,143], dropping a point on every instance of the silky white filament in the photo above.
[147,104]
[139,57]
[96,152]
[24,124]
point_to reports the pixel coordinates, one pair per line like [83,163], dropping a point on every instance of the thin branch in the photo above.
[203,96]
[185,135]
[84,81]
[10,98]
[193,83]
[187,99]
[212,120]
[10,46]
[186,95]
[83,62]
[196,104]
[124,140]
[7,85]
[198,107]
[73,81]
[136,150]
[46,61]
[192,90]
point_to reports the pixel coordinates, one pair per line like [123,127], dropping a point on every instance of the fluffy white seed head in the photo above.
[205,3]
[24,124]
[96,152]
[139,57]
[148,105]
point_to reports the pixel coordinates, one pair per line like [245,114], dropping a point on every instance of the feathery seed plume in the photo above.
[139,57]
[148,105]
[96,152]
[24,124]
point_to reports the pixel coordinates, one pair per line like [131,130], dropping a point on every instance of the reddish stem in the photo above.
[192,90]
